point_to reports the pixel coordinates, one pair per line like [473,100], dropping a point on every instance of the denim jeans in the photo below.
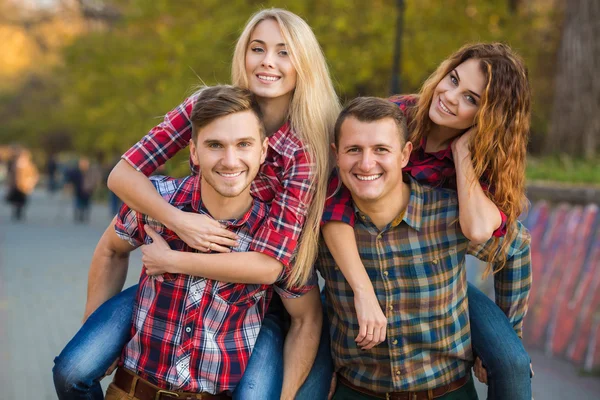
[263,377]
[500,349]
[80,366]
[82,363]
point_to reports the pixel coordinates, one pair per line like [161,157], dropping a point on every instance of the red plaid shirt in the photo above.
[190,333]
[433,169]
[283,180]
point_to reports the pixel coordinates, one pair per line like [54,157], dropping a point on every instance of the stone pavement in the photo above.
[43,273]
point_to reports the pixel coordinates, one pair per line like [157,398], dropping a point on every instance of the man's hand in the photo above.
[204,233]
[332,386]
[371,320]
[112,367]
[480,371]
[155,254]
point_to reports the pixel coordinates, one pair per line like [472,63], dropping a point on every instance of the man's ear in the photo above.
[408,146]
[335,152]
[193,152]
[265,147]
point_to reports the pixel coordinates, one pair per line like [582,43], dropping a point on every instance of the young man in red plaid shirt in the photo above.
[192,336]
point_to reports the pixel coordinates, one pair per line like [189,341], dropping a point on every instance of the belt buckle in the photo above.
[172,394]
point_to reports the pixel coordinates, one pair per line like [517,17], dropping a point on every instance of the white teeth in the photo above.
[230,175]
[444,107]
[268,78]
[368,177]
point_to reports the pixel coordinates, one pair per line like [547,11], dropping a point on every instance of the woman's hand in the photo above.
[204,233]
[371,320]
[155,254]
[461,143]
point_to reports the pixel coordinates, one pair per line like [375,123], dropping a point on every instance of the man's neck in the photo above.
[224,208]
[385,210]
[275,112]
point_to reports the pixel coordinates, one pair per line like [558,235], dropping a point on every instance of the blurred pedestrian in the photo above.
[22,176]
[84,180]
[51,171]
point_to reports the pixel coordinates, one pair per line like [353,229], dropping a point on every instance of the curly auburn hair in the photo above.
[499,143]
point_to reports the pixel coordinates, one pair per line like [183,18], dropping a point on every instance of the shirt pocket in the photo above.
[239,294]
[436,277]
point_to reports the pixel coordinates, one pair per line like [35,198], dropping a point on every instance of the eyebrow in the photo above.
[458,77]
[243,139]
[263,43]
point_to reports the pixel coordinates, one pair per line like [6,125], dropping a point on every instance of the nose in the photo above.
[229,158]
[267,60]
[367,161]
[451,96]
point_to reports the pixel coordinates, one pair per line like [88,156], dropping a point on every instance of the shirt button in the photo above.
[395,341]
[435,261]
[385,273]
[188,329]
[398,373]
[391,307]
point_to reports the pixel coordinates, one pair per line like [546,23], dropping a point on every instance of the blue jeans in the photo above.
[500,349]
[80,366]
[82,363]
[263,377]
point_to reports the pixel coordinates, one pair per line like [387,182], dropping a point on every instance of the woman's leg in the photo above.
[263,377]
[82,363]
[500,349]
[264,374]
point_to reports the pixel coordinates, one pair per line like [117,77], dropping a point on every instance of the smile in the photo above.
[268,78]
[444,108]
[230,175]
[367,177]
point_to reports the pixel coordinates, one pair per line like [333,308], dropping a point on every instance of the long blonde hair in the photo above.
[313,110]
[499,143]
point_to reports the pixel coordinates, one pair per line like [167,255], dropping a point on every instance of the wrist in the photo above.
[173,218]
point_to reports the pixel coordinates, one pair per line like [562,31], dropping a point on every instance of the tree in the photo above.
[575,127]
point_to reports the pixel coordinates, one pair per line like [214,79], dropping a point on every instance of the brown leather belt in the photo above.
[144,390]
[419,395]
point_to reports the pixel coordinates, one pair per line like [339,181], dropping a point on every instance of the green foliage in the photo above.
[115,84]
[564,169]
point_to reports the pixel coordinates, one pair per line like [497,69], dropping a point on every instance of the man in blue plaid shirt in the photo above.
[414,253]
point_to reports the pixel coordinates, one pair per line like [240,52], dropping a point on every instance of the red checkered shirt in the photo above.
[190,333]
[284,180]
[433,169]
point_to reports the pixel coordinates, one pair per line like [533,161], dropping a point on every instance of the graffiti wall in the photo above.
[564,311]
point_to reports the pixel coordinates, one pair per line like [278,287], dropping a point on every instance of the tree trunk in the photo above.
[575,125]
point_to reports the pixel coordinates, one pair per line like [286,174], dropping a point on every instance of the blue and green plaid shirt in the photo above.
[416,264]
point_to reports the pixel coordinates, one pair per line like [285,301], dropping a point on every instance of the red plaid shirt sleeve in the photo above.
[279,235]
[164,140]
[338,206]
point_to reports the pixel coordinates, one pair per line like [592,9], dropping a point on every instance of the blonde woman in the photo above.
[279,59]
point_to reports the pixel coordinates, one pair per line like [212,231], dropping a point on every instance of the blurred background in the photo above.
[82,80]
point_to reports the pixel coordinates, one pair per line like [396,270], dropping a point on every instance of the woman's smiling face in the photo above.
[456,99]
[269,69]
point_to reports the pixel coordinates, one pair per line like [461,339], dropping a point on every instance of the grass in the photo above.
[564,169]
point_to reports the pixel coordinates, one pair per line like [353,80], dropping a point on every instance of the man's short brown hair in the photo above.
[371,109]
[214,102]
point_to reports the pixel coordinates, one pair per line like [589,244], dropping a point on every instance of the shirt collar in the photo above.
[189,194]
[413,214]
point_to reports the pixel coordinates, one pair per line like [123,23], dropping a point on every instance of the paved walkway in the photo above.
[43,273]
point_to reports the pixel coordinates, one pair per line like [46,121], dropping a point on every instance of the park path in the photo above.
[43,274]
